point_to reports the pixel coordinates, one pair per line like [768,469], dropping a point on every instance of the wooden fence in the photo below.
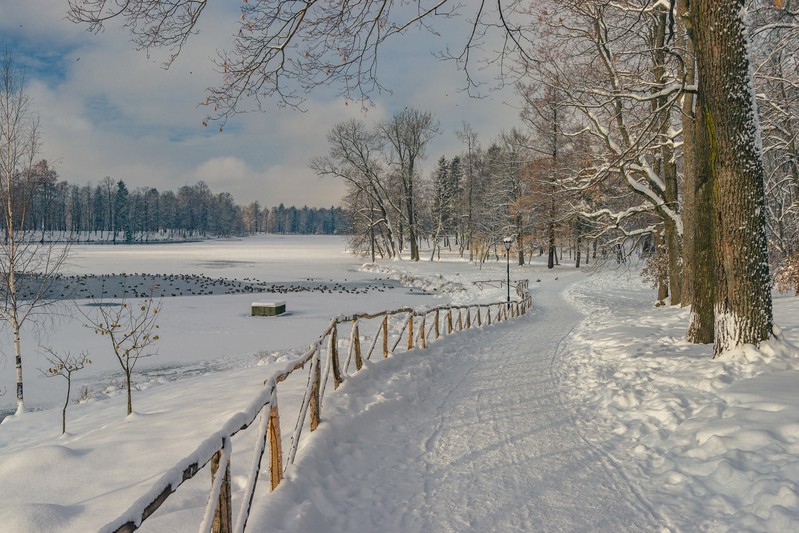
[500,283]
[417,327]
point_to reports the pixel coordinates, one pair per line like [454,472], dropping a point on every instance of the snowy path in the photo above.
[458,438]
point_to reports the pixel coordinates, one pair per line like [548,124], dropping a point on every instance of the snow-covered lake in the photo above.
[316,275]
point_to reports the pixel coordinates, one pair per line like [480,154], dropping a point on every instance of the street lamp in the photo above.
[507,241]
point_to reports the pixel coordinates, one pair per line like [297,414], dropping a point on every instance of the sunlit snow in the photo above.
[589,413]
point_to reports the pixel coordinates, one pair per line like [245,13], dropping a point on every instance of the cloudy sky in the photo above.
[109,110]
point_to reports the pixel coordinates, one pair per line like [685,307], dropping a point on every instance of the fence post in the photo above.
[385,335]
[410,330]
[449,321]
[437,332]
[422,342]
[275,446]
[356,344]
[333,349]
[488,314]
[223,517]
[317,382]
[479,312]
[468,318]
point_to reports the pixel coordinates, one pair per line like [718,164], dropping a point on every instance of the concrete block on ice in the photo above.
[268,308]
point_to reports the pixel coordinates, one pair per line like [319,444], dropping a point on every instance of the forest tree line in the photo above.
[109,211]
[469,202]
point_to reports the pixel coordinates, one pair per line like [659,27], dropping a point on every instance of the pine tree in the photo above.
[121,218]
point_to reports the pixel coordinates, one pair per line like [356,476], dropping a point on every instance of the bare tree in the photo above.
[131,329]
[775,55]
[543,113]
[27,266]
[355,155]
[408,133]
[286,48]
[283,48]
[509,187]
[605,63]
[623,74]
[469,138]
[64,365]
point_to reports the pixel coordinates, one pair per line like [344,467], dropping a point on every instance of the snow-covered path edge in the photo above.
[713,444]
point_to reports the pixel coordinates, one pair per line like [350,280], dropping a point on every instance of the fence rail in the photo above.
[417,326]
[500,283]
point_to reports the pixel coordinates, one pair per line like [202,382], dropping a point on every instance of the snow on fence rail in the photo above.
[500,283]
[216,449]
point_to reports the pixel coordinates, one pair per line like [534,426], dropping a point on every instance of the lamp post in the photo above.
[507,241]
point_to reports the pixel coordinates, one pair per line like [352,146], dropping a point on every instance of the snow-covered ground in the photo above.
[200,333]
[590,413]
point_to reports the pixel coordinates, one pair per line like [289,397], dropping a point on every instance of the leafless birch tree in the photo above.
[27,266]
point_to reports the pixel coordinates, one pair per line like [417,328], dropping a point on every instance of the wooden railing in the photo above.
[500,283]
[418,327]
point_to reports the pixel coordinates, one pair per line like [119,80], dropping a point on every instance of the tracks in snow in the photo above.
[473,434]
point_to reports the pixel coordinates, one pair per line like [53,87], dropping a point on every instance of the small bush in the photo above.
[84,394]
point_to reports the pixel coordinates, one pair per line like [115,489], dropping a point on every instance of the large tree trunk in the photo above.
[701,245]
[698,244]
[743,284]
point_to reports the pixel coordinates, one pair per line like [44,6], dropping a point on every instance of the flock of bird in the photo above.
[167,285]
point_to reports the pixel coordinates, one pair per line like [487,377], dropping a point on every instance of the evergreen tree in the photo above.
[121,214]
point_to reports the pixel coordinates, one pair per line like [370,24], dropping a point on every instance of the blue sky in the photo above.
[109,110]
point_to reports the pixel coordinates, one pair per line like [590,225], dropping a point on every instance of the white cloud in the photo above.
[270,185]
[107,109]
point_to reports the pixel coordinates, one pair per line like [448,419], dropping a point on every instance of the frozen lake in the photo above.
[205,323]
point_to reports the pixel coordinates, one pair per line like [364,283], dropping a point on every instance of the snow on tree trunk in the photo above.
[666,164]
[743,311]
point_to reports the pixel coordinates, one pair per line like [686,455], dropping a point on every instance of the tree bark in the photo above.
[701,326]
[668,167]
[743,312]
[698,243]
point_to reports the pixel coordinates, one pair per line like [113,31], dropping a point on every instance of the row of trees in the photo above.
[292,220]
[109,211]
[470,202]
[658,100]
[640,130]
